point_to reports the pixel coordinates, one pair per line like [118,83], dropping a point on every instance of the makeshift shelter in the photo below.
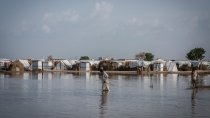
[134,64]
[85,66]
[72,63]
[16,66]
[94,64]
[159,61]
[171,66]
[75,64]
[195,64]
[26,64]
[145,64]
[67,64]
[181,63]
[4,64]
[41,65]
[19,65]
[105,64]
[47,65]
[88,65]
[115,64]
[36,64]
[61,65]
[158,65]
[204,65]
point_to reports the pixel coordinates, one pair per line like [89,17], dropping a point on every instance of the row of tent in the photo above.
[55,64]
[88,65]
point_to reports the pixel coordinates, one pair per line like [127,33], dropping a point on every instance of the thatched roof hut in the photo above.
[105,64]
[16,66]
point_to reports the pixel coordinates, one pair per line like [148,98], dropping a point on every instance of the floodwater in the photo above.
[79,95]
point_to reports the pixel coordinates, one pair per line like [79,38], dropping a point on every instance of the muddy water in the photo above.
[67,95]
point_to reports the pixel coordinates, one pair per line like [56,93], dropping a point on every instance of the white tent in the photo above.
[73,62]
[146,63]
[85,65]
[139,63]
[158,64]
[134,63]
[66,62]
[25,64]
[172,67]
[159,61]
[205,63]
[195,63]
[2,63]
[181,63]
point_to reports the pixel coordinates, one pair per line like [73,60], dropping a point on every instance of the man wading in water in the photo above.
[105,80]
[194,78]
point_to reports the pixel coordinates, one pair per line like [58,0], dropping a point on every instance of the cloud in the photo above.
[102,10]
[58,18]
[150,23]
[65,16]
[136,21]
[46,28]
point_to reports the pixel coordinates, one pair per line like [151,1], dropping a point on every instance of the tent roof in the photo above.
[159,61]
[25,63]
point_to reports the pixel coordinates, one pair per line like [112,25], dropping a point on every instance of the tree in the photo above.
[147,56]
[84,58]
[196,54]
[140,55]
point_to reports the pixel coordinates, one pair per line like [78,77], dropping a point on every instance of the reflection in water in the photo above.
[151,82]
[193,100]
[62,95]
[45,75]
[103,103]
[194,91]
[16,75]
[35,75]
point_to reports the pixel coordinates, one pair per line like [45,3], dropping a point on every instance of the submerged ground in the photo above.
[64,95]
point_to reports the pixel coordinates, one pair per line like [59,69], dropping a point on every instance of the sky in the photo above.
[169,29]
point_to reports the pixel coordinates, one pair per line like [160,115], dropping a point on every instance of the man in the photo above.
[193,77]
[105,80]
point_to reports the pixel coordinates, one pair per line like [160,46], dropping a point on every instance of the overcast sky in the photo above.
[103,28]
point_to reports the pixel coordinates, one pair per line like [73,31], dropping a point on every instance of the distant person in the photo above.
[193,77]
[105,80]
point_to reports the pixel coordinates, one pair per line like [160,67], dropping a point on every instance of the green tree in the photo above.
[84,58]
[149,56]
[196,54]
